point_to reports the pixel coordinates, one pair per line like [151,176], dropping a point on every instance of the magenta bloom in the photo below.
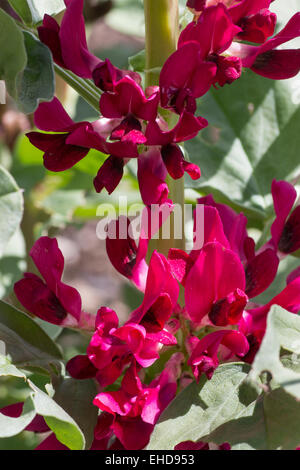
[129,103]
[69,142]
[106,76]
[106,352]
[196,5]
[204,352]
[232,225]
[162,155]
[106,356]
[128,257]
[49,299]
[142,336]
[136,407]
[254,18]
[198,64]
[149,326]
[59,153]
[257,23]
[221,276]
[160,281]
[285,229]
[267,60]
[68,41]
[187,128]
[228,228]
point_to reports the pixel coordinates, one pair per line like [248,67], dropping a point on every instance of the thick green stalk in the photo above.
[162,29]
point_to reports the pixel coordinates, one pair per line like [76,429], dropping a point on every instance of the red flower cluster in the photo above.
[210,52]
[220,279]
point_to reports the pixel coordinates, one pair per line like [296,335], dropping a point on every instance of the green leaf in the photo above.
[26,153]
[22,9]
[64,202]
[11,269]
[13,52]
[137,62]
[282,416]
[80,407]
[59,421]
[283,331]
[26,342]
[270,423]
[12,263]
[32,11]
[37,82]
[201,408]
[91,163]
[53,331]
[12,426]
[11,207]
[252,124]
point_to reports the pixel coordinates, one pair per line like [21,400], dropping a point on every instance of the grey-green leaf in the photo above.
[22,9]
[201,408]
[37,82]
[11,206]
[33,11]
[59,421]
[13,53]
[283,331]
[137,62]
[270,423]
[26,342]
[76,398]
[252,138]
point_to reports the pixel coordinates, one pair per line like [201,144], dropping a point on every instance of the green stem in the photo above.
[89,92]
[162,29]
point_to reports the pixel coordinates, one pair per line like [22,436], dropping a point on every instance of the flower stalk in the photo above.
[84,87]
[162,30]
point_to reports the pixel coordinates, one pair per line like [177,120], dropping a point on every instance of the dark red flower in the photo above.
[68,41]
[51,299]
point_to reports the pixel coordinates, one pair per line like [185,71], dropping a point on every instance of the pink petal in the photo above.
[214,31]
[49,35]
[217,272]
[261,272]
[80,367]
[76,55]
[180,263]
[109,175]
[51,116]
[133,433]
[284,196]
[129,98]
